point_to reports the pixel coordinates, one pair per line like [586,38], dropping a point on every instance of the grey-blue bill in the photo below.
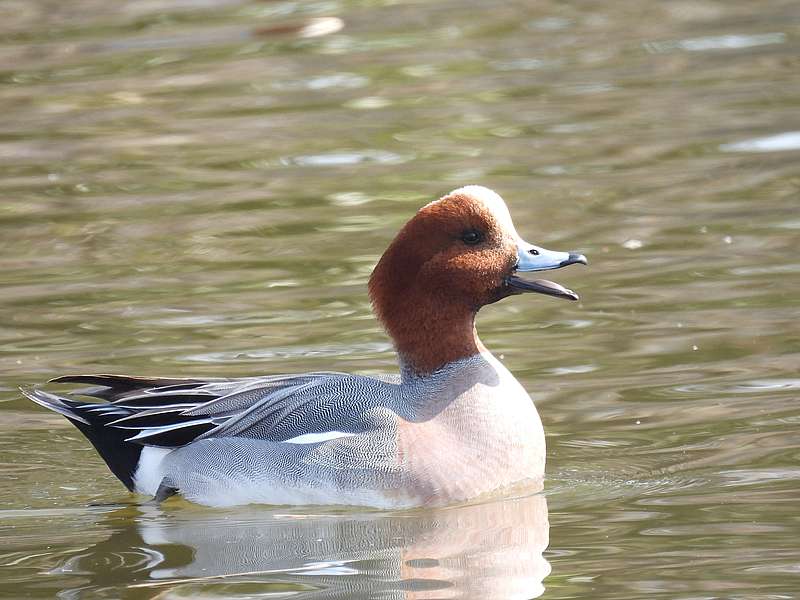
[534,258]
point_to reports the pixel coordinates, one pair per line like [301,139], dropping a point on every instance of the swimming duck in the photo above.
[453,425]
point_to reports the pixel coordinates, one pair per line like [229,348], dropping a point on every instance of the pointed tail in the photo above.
[91,419]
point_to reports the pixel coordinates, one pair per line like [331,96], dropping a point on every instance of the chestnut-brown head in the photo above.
[454,256]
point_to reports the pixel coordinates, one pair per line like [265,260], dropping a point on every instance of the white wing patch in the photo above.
[312,438]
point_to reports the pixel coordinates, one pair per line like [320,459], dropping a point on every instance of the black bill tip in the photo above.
[573,259]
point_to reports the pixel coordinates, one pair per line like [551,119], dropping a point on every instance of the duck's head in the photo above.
[454,256]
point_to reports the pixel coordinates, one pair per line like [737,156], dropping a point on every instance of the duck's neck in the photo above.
[428,338]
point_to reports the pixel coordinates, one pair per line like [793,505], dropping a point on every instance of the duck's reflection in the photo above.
[490,550]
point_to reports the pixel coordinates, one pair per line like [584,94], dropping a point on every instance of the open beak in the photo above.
[534,258]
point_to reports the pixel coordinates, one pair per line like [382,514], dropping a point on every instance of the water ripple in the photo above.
[719,42]
[290,352]
[789,140]
[346,158]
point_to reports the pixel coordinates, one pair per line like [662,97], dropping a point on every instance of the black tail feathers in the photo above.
[91,419]
[121,457]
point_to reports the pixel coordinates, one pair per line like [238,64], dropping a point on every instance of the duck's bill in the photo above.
[541,286]
[533,258]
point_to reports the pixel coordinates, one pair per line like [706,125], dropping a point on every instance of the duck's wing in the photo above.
[174,412]
[326,403]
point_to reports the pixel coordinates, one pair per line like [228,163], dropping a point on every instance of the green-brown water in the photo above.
[201,188]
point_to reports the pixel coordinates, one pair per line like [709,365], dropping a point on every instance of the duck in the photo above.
[451,426]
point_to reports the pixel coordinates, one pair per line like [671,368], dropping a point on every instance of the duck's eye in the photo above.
[472,237]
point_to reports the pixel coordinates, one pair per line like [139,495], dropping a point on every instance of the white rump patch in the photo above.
[312,438]
[148,472]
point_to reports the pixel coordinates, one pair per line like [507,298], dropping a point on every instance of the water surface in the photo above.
[202,188]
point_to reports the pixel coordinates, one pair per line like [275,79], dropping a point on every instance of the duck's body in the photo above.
[454,425]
